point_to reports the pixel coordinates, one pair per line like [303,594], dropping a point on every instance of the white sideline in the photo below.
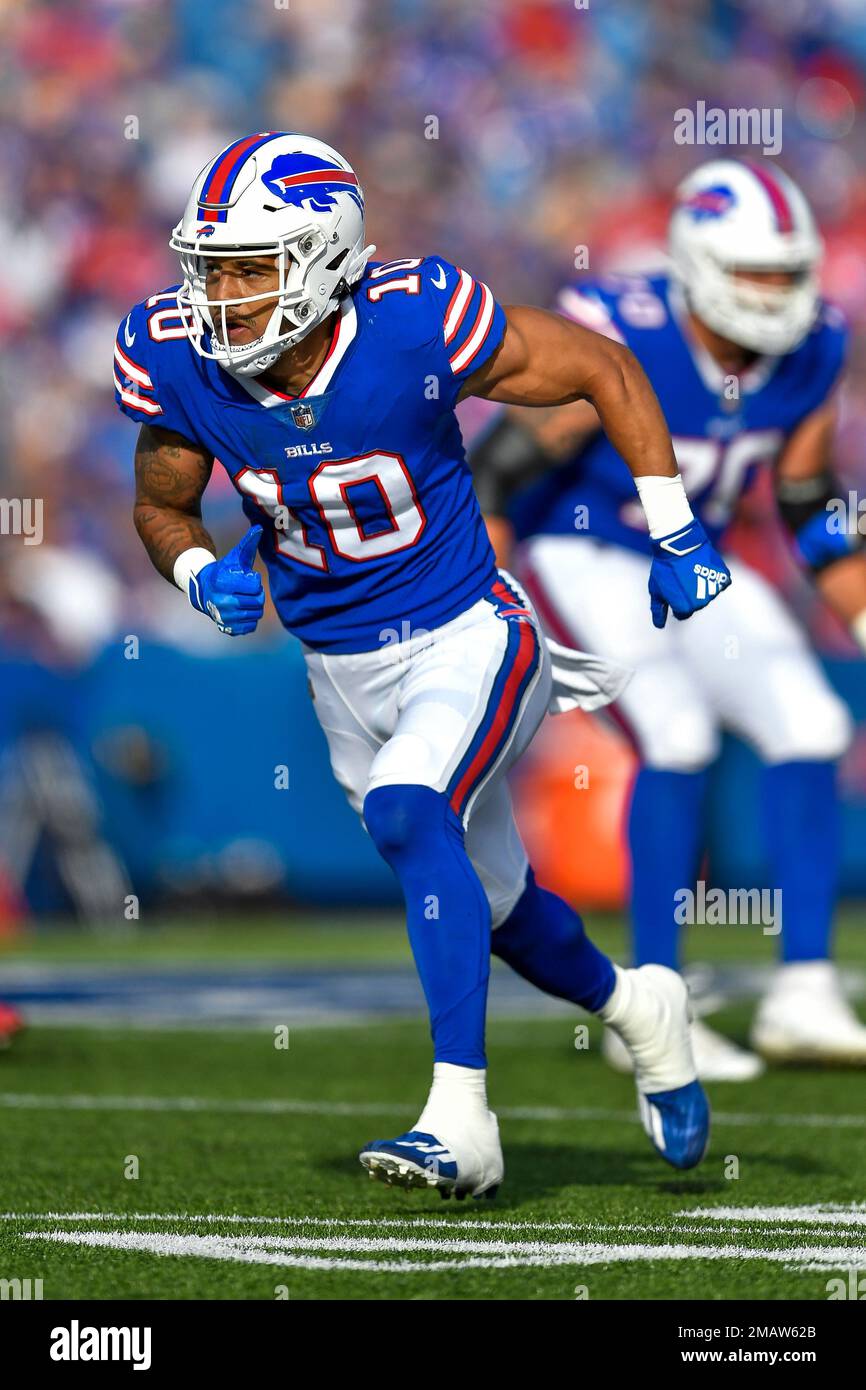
[23,1100]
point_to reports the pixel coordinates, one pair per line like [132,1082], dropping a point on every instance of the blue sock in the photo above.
[801,820]
[447,913]
[666,835]
[544,940]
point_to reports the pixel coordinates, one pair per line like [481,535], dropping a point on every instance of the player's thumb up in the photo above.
[243,555]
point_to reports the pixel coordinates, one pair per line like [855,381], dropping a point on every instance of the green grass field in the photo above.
[248,1184]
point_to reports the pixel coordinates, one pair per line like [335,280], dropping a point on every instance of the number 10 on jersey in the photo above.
[339,490]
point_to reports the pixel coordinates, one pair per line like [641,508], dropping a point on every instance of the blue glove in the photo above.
[820,546]
[229,590]
[686,574]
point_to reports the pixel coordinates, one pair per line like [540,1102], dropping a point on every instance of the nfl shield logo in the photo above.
[303,416]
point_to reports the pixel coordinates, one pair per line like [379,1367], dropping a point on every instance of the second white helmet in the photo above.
[280,194]
[731,216]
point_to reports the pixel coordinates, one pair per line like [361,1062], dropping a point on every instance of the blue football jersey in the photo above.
[370,520]
[724,429]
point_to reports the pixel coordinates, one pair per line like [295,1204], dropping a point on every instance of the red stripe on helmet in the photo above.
[218,177]
[319,176]
[781,206]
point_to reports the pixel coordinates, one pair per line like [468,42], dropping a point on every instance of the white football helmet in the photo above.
[277,194]
[731,216]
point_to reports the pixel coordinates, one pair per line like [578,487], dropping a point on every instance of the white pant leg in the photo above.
[457,729]
[355,699]
[407,712]
[430,712]
[496,850]
[760,675]
[596,595]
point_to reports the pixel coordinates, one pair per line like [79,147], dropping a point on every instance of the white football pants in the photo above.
[743,663]
[450,709]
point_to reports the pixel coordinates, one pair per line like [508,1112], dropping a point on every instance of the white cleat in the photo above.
[454,1144]
[468,1162]
[716,1057]
[649,1011]
[805,1018]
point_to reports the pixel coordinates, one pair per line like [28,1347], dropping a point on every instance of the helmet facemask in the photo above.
[732,220]
[296,311]
[764,318]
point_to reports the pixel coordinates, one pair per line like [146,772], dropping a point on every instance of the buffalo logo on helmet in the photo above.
[207,230]
[305,178]
[708,203]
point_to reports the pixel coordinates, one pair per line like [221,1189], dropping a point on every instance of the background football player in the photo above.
[745,360]
[326,387]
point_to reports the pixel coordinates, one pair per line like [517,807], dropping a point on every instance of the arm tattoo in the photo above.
[171,473]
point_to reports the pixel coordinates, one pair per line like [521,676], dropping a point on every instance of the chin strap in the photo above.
[256,365]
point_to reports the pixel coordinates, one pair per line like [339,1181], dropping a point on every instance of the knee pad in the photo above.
[404,816]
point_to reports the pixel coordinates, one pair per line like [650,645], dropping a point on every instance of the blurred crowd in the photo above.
[501,133]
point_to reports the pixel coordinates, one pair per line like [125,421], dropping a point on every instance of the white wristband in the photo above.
[858,630]
[188,563]
[665,504]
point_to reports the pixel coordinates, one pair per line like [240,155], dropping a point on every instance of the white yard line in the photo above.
[819,1214]
[706,1228]
[280,1251]
[377,1222]
[23,1100]
[331,1243]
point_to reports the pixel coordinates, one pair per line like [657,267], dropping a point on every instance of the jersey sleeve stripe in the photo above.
[588,314]
[478,336]
[129,368]
[137,402]
[459,304]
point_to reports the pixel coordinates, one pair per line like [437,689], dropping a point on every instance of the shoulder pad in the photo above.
[442,307]
[147,345]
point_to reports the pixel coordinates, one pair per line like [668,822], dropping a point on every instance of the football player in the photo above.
[326,384]
[745,360]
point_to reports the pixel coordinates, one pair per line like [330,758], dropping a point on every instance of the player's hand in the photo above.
[821,545]
[229,590]
[687,573]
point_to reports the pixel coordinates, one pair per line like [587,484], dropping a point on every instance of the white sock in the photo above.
[633,1011]
[804,974]
[457,1093]
[618,1005]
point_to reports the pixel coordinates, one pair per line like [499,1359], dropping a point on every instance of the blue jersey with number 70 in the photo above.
[361,482]
[724,428]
